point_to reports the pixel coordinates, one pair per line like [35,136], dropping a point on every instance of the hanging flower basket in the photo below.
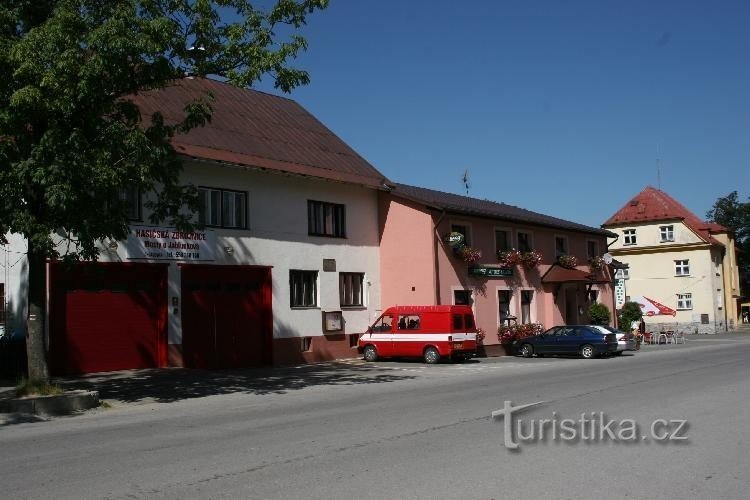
[468,254]
[569,261]
[509,258]
[595,264]
[531,259]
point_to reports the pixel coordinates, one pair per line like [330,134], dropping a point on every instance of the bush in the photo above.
[599,314]
[629,313]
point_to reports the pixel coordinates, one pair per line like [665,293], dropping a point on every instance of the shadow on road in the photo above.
[174,384]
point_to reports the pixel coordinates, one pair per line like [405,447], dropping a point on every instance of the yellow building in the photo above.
[679,260]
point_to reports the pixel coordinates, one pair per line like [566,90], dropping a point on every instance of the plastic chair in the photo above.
[670,337]
[648,337]
[678,337]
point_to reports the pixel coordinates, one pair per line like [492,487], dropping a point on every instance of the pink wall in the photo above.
[407,271]
[409,265]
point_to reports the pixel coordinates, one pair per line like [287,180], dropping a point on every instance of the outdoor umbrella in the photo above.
[650,307]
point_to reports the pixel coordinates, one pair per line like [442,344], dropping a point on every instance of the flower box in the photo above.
[468,254]
[568,261]
[509,258]
[531,259]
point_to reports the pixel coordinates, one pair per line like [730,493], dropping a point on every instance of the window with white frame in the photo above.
[561,246]
[527,297]
[326,219]
[666,233]
[622,274]
[682,267]
[525,244]
[503,304]
[303,288]
[629,237]
[351,289]
[462,298]
[684,301]
[223,208]
[592,249]
[502,240]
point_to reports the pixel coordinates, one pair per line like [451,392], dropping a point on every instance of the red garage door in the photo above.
[226,316]
[107,316]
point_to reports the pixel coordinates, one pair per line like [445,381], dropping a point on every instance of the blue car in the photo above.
[586,340]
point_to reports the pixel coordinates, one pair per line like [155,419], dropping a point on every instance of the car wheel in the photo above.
[527,351]
[431,356]
[370,353]
[587,351]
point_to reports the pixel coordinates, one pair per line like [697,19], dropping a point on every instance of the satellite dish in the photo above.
[607,258]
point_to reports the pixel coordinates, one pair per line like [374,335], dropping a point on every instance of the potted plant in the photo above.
[469,254]
[595,264]
[531,259]
[569,261]
[509,258]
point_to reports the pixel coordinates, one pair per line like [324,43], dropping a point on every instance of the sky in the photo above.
[567,108]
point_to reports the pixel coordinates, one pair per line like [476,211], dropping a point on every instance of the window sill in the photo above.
[304,308]
[666,241]
[629,244]
[681,275]
[354,308]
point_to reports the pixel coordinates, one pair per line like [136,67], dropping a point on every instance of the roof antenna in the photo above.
[658,174]
[465,180]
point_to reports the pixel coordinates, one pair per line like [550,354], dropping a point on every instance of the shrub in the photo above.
[630,312]
[599,314]
[508,333]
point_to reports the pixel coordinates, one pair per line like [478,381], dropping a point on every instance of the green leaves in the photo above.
[71,141]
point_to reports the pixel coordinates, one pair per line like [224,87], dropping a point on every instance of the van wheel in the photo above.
[370,353]
[587,351]
[431,356]
[527,351]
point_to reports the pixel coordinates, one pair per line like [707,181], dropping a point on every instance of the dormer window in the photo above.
[629,235]
[667,233]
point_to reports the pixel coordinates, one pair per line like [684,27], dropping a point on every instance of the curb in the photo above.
[63,404]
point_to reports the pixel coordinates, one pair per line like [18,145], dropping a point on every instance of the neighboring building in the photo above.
[677,259]
[287,269]
[419,264]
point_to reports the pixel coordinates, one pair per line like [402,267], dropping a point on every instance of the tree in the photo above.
[630,312]
[70,140]
[735,216]
[599,314]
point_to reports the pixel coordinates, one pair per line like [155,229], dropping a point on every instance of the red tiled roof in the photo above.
[256,129]
[653,205]
[486,208]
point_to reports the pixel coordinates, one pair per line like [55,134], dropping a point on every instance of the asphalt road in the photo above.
[407,430]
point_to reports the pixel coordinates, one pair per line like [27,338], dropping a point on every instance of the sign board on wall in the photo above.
[167,243]
[619,293]
[490,272]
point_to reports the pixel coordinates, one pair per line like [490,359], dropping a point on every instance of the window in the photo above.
[326,219]
[223,208]
[593,295]
[132,197]
[503,304]
[622,274]
[384,324]
[561,246]
[303,288]
[682,268]
[306,344]
[667,233]
[350,289]
[502,240]
[462,298]
[684,301]
[464,230]
[524,242]
[469,321]
[408,322]
[629,235]
[458,322]
[592,249]
[353,340]
[527,296]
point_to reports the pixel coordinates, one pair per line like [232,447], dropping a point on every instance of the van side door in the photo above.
[381,335]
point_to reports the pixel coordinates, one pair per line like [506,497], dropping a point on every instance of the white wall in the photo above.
[14,274]
[277,236]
